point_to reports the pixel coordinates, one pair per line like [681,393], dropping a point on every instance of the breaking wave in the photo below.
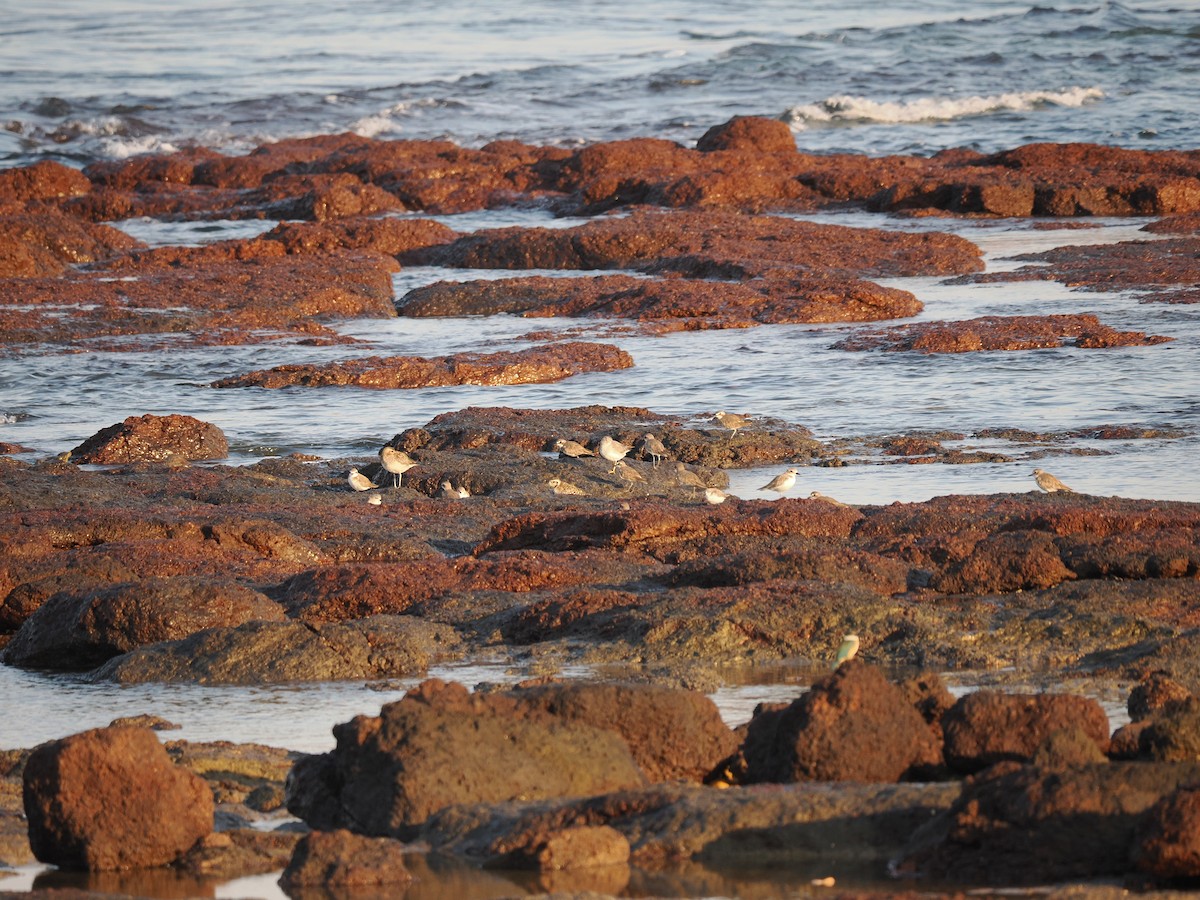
[845,109]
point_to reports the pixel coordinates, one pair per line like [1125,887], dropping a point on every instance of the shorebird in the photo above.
[715,496]
[847,650]
[375,499]
[628,473]
[447,491]
[613,451]
[654,447]
[397,462]
[731,421]
[571,448]
[781,483]
[1049,483]
[686,476]
[358,481]
[817,495]
[565,487]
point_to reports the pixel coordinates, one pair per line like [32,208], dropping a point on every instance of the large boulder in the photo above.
[987,727]
[854,725]
[153,439]
[81,631]
[1169,837]
[440,746]
[111,798]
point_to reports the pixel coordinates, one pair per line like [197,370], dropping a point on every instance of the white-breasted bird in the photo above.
[397,462]
[358,481]
[817,495]
[628,473]
[686,477]
[715,496]
[565,487]
[846,651]
[1049,483]
[781,483]
[654,448]
[614,451]
[732,421]
[572,449]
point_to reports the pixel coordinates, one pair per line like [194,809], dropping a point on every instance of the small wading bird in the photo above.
[653,447]
[1049,483]
[715,496]
[358,481]
[571,448]
[817,495]
[781,483]
[565,487]
[397,462]
[687,478]
[628,473]
[731,421]
[375,499]
[613,451]
[447,491]
[847,650]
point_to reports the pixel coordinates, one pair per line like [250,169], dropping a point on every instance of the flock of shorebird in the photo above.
[397,462]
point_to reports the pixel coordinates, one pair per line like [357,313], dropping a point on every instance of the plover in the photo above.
[781,483]
[565,487]
[731,421]
[847,650]
[1049,483]
[613,451]
[653,447]
[375,499]
[817,495]
[447,491]
[686,477]
[715,496]
[571,448]
[397,462]
[628,473]
[358,481]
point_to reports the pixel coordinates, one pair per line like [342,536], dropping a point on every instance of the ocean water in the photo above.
[107,79]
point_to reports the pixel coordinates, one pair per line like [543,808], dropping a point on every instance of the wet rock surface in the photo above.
[535,365]
[153,438]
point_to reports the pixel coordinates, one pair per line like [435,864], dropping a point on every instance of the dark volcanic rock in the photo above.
[1173,734]
[341,858]
[551,362]
[987,727]
[80,631]
[153,438]
[1168,844]
[441,746]
[998,333]
[853,725]
[1023,825]
[273,652]
[110,798]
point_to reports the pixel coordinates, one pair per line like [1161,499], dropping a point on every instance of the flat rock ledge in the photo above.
[536,365]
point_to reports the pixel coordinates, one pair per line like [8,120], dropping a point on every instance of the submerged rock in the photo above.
[341,859]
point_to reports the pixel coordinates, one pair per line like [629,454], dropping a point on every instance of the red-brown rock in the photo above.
[537,365]
[440,746]
[748,133]
[44,180]
[80,631]
[987,727]
[110,799]
[998,333]
[1156,692]
[1168,844]
[152,438]
[853,725]
[341,858]
[46,242]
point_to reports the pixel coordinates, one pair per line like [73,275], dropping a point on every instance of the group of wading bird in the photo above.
[397,462]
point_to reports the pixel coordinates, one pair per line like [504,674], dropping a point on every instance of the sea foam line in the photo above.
[845,108]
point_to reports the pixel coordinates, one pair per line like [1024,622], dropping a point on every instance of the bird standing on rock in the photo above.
[686,477]
[847,650]
[397,462]
[628,473]
[781,483]
[653,447]
[613,451]
[572,448]
[1049,483]
[358,481]
[731,421]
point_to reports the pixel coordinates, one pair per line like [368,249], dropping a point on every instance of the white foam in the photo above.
[386,120]
[845,108]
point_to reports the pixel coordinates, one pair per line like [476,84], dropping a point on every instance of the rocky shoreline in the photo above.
[142,566]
